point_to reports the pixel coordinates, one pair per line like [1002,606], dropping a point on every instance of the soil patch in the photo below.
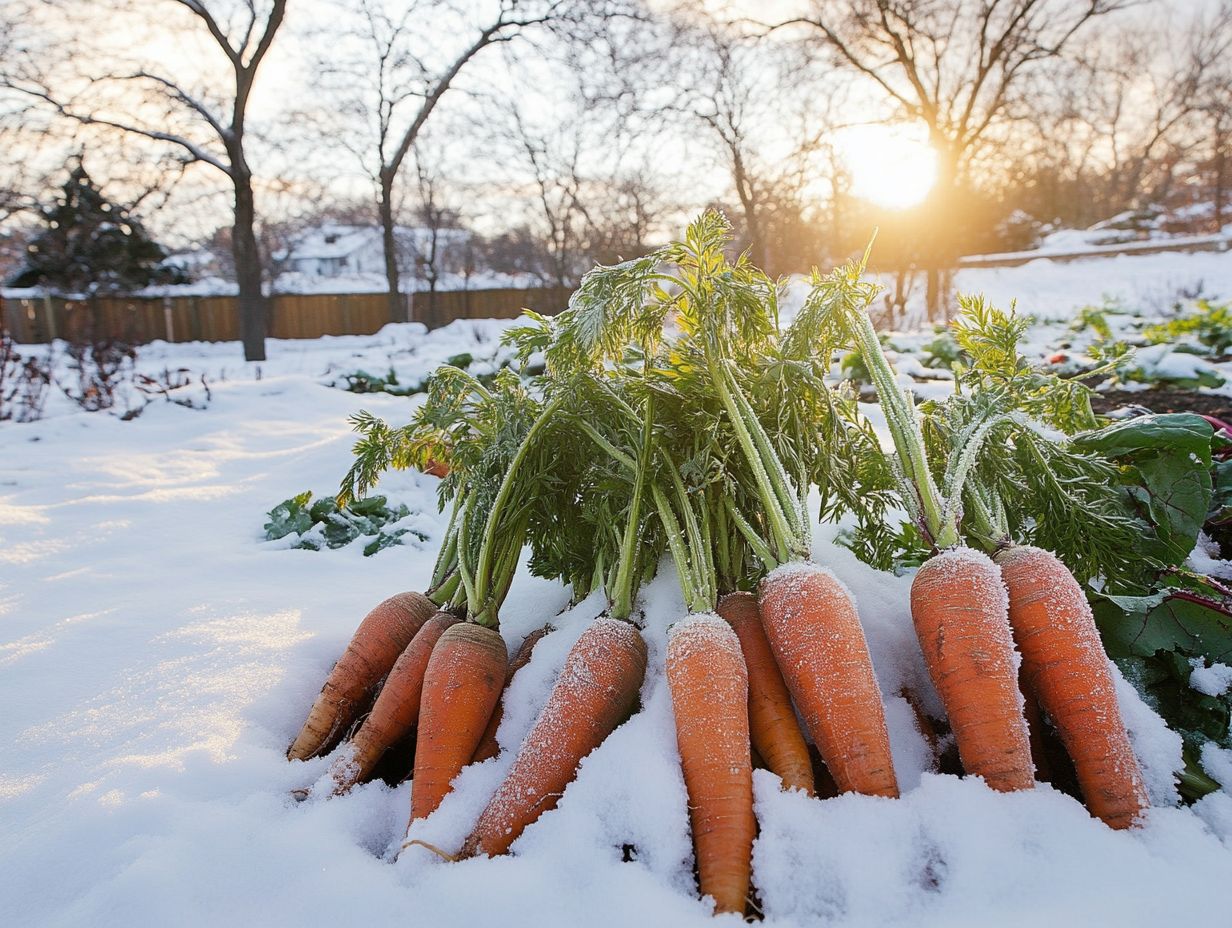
[1164,399]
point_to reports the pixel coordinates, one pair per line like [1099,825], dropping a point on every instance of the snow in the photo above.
[158,656]
[1053,288]
[1214,680]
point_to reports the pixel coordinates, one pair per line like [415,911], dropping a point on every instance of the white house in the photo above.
[336,250]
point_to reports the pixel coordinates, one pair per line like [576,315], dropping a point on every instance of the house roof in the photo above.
[334,240]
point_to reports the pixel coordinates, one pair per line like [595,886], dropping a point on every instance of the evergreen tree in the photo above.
[90,244]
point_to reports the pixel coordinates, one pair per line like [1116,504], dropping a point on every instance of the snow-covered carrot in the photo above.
[958,602]
[1065,663]
[595,691]
[461,687]
[960,611]
[709,686]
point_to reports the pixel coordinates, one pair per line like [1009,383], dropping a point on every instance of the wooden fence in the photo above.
[139,320]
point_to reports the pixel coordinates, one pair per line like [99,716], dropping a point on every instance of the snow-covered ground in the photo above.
[158,655]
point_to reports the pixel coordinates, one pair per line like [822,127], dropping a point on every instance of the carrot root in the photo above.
[709,687]
[596,690]
[460,690]
[958,606]
[382,635]
[1065,665]
[814,630]
[773,725]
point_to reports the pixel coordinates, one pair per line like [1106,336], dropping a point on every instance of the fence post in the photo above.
[194,309]
[168,324]
[344,307]
[49,313]
[27,307]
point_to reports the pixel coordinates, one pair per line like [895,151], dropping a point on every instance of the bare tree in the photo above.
[204,123]
[552,157]
[767,117]
[407,57]
[437,236]
[958,66]
[1122,123]
[1215,103]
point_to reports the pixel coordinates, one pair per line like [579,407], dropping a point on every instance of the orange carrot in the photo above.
[958,605]
[489,747]
[772,720]
[381,637]
[460,690]
[710,699]
[396,709]
[435,468]
[595,691]
[1035,723]
[815,633]
[1065,664]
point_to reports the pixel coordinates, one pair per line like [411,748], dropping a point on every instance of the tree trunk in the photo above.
[247,256]
[1221,174]
[946,218]
[397,312]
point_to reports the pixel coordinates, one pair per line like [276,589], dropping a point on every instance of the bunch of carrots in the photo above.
[677,420]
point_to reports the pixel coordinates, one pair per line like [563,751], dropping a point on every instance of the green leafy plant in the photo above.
[326,524]
[1209,324]
[363,382]
[1169,366]
[1095,319]
[943,351]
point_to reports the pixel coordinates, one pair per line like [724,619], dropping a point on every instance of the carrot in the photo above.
[489,747]
[775,730]
[435,468]
[1066,666]
[381,637]
[1035,724]
[814,630]
[396,709]
[460,690]
[709,687]
[958,605]
[595,691]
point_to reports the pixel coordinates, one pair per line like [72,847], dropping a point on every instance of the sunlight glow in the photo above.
[892,166]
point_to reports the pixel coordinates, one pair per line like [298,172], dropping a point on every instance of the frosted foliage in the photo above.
[158,657]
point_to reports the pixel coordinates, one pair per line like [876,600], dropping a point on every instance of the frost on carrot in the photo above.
[709,686]
[596,690]
[1065,663]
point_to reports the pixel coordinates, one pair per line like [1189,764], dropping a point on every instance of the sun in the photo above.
[892,166]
